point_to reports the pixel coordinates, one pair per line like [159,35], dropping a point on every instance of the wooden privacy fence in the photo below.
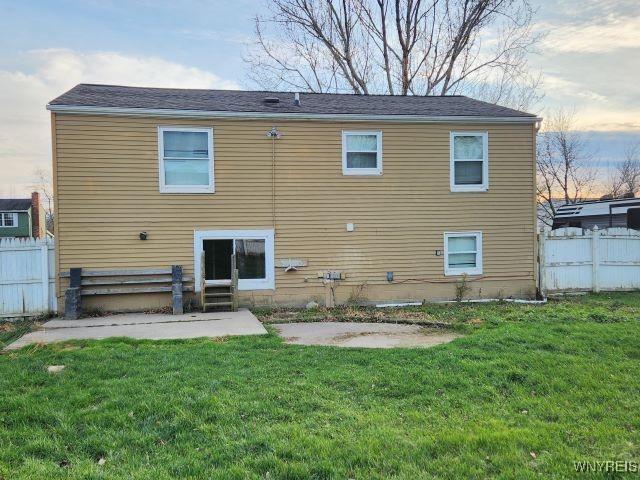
[27,277]
[573,259]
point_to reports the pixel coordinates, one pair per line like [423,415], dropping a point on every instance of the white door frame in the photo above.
[267,235]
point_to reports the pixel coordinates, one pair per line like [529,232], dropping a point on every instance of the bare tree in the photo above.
[43,184]
[565,169]
[401,47]
[625,180]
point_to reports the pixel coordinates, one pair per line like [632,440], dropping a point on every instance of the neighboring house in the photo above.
[321,196]
[545,213]
[623,212]
[22,217]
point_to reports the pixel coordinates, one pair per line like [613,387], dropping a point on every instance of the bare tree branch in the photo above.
[418,47]
[42,183]
[565,170]
[625,180]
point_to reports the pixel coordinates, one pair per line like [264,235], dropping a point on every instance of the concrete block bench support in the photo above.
[176,289]
[73,297]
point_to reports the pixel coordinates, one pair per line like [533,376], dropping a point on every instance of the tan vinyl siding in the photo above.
[107,192]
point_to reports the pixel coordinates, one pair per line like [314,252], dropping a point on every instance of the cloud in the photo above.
[217,35]
[613,32]
[603,101]
[70,67]
[570,89]
[609,120]
[594,112]
[24,122]
[587,61]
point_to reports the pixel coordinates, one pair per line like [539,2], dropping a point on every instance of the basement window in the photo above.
[463,253]
[469,165]
[186,160]
[8,219]
[362,153]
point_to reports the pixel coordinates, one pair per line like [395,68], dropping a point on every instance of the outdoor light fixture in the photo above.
[143,235]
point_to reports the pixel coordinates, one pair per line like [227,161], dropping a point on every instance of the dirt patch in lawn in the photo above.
[368,335]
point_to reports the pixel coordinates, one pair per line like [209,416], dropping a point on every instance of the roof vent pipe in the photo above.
[296,99]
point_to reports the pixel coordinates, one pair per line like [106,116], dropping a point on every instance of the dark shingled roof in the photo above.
[14,204]
[253,102]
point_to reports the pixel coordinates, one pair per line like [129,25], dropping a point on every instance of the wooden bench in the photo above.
[124,281]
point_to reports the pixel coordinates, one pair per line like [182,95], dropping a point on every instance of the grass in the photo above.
[526,392]
[12,330]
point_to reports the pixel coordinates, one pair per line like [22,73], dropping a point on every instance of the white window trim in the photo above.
[267,283]
[362,171]
[15,220]
[185,188]
[485,163]
[477,270]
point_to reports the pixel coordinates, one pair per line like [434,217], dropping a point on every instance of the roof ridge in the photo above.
[292,92]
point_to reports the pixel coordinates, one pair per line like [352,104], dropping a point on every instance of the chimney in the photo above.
[35,215]
[296,99]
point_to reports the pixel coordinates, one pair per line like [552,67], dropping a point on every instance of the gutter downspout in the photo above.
[273,181]
[274,134]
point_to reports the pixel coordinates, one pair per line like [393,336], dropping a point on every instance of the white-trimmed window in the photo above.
[463,253]
[185,159]
[362,153]
[9,219]
[469,166]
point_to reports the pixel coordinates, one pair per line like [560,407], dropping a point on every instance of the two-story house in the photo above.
[325,197]
[22,217]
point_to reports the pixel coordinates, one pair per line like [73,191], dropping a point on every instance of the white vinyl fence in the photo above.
[27,282]
[573,259]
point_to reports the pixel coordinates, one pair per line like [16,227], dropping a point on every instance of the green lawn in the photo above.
[526,392]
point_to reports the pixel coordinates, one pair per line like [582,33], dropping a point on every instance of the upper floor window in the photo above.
[362,153]
[186,160]
[8,219]
[463,253]
[469,167]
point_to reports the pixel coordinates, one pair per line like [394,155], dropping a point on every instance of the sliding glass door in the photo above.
[254,251]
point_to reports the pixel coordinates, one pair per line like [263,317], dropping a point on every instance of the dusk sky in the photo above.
[589,59]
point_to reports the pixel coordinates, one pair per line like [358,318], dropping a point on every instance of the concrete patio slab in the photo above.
[368,335]
[146,326]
